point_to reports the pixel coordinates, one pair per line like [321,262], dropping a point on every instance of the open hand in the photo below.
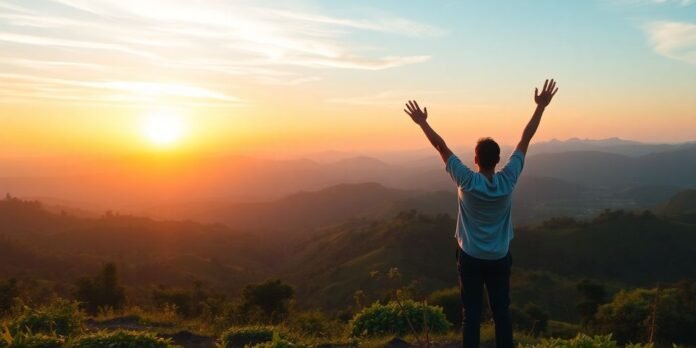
[547,93]
[413,110]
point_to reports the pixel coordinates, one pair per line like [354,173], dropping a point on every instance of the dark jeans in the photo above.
[473,274]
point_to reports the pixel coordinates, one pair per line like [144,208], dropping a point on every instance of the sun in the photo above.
[163,128]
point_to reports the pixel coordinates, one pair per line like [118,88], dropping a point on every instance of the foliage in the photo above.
[312,324]
[276,342]
[243,336]
[120,339]
[630,315]
[189,303]
[530,318]
[271,297]
[101,291]
[451,302]
[593,295]
[394,318]
[62,318]
[583,341]
[9,291]
[590,249]
[28,340]
[179,299]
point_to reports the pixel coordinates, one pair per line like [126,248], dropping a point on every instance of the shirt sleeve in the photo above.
[461,174]
[513,168]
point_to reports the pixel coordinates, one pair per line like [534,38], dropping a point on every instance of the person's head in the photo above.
[487,154]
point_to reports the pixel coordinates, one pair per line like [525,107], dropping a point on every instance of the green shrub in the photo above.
[28,340]
[243,336]
[313,324]
[392,318]
[120,339]
[451,302]
[62,318]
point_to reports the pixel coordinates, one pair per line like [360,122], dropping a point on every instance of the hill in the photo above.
[299,214]
[61,247]
[610,145]
[681,206]
[331,263]
[296,214]
[605,170]
[618,247]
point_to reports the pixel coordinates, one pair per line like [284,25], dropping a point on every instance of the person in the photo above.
[484,226]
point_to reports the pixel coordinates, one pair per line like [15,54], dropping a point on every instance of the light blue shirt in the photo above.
[484,226]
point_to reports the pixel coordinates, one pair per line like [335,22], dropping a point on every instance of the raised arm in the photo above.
[542,100]
[420,117]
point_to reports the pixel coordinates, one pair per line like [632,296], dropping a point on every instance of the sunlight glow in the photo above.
[163,128]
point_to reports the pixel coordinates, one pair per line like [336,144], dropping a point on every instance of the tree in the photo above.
[8,292]
[531,318]
[101,291]
[593,295]
[271,297]
[451,302]
[629,316]
[538,318]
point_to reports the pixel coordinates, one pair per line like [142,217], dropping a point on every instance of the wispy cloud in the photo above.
[48,41]
[394,97]
[191,40]
[678,3]
[675,2]
[12,84]
[676,40]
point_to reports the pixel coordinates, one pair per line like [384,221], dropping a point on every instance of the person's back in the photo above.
[484,222]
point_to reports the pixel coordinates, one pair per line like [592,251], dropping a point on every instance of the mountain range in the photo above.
[575,177]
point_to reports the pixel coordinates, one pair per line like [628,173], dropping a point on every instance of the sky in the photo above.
[281,78]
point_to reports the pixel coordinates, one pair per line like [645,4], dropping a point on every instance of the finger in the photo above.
[546,83]
[425,109]
[554,92]
[552,85]
[410,103]
[536,92]
[416,103]
[408,106]
[408,113]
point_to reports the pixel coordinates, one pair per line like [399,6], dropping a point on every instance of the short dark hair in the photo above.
[488,153]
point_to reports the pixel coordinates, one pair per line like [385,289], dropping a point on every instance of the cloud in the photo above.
[675,2]
[48,41]
[398,97]
[678,3]
[101,40]
[17,85]
[385,24]
[675,40]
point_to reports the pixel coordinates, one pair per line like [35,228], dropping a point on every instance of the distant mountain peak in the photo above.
[605,141]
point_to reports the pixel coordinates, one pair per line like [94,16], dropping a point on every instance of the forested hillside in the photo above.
[329,264]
